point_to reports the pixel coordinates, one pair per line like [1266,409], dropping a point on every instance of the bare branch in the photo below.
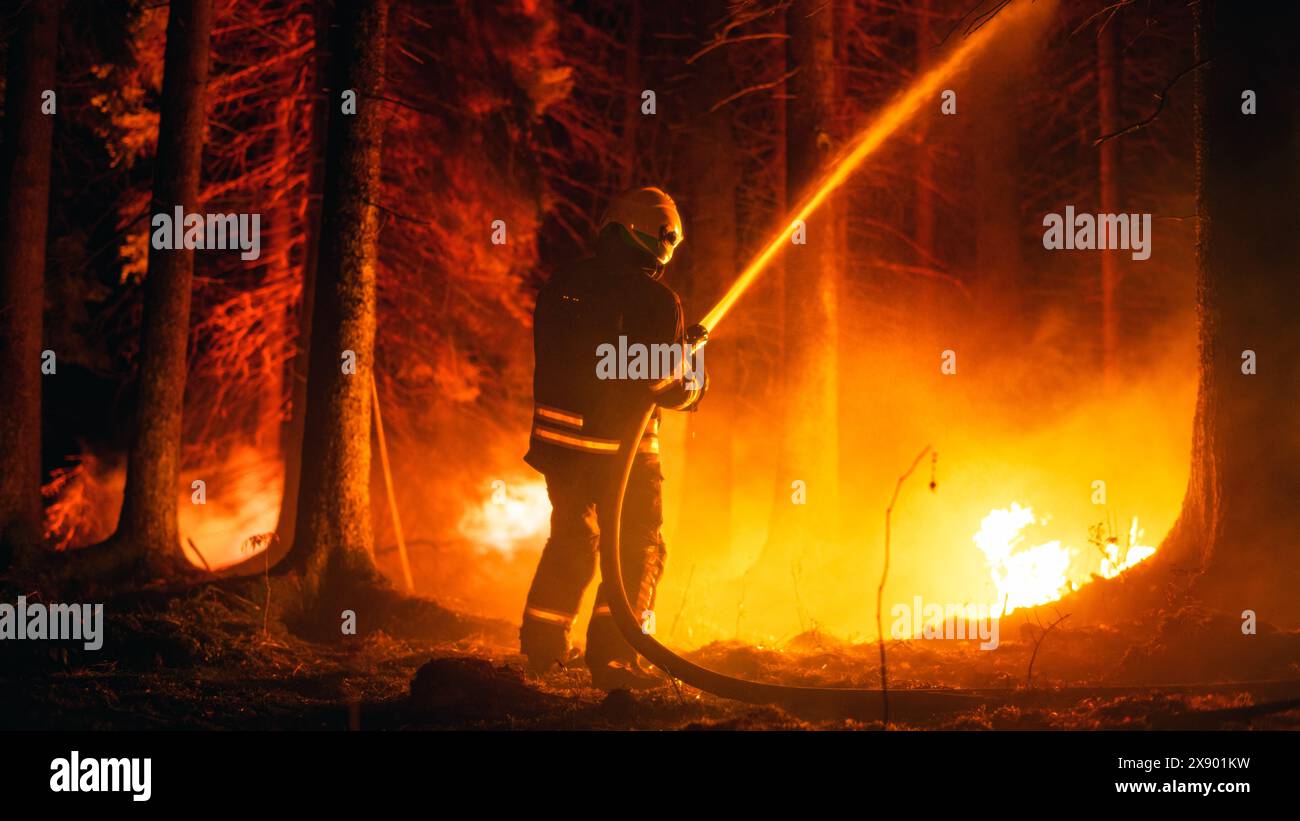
[976,24]
[726,41]
[751,89]
[880,591]
[1029,677]
[1160,106]
[1110,12]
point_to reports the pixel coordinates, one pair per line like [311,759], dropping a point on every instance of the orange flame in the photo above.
[1028,576]
[515,515]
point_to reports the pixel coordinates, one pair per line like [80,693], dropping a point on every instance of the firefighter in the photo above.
[578,419]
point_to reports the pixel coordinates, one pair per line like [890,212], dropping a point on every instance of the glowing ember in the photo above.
[513,516]
[1027,576]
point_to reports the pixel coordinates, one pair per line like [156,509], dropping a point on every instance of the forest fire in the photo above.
[1036,574]
[350,364]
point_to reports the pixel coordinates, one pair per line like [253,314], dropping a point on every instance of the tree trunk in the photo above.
[993,115]
[147,529]
[713,173]
[1110,63]
[809,433]
[631,97]
[291,441]
[926,288]
[26,176]
[1240,522]
[333,535]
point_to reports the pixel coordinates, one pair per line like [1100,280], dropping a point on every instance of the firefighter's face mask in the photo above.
[650,218]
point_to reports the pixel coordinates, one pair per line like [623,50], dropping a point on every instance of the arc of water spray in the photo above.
[891,118]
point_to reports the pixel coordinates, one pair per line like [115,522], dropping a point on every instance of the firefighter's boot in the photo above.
[545,645]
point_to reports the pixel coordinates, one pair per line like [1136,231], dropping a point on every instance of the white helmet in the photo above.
[650,219]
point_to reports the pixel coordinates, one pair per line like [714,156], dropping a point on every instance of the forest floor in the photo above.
[205,659]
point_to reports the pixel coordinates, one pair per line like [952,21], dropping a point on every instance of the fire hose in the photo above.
[820,700]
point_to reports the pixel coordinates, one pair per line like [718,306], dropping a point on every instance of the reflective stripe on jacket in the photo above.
[564,429]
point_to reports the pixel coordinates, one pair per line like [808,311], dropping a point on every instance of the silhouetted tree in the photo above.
[1110,63]
[26,181]
[991,112]
[333,539]
[291,443]
[1240,520]
[147,534]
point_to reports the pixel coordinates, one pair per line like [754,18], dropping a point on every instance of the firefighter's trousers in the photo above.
[580,502]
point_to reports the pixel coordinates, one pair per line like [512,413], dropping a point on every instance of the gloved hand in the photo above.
[696,335]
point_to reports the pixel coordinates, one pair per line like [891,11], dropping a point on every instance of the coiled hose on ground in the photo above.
[844,702]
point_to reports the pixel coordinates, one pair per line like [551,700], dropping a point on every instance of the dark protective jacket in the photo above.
[578,417]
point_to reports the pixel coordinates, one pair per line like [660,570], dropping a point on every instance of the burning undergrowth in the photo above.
[226,500]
